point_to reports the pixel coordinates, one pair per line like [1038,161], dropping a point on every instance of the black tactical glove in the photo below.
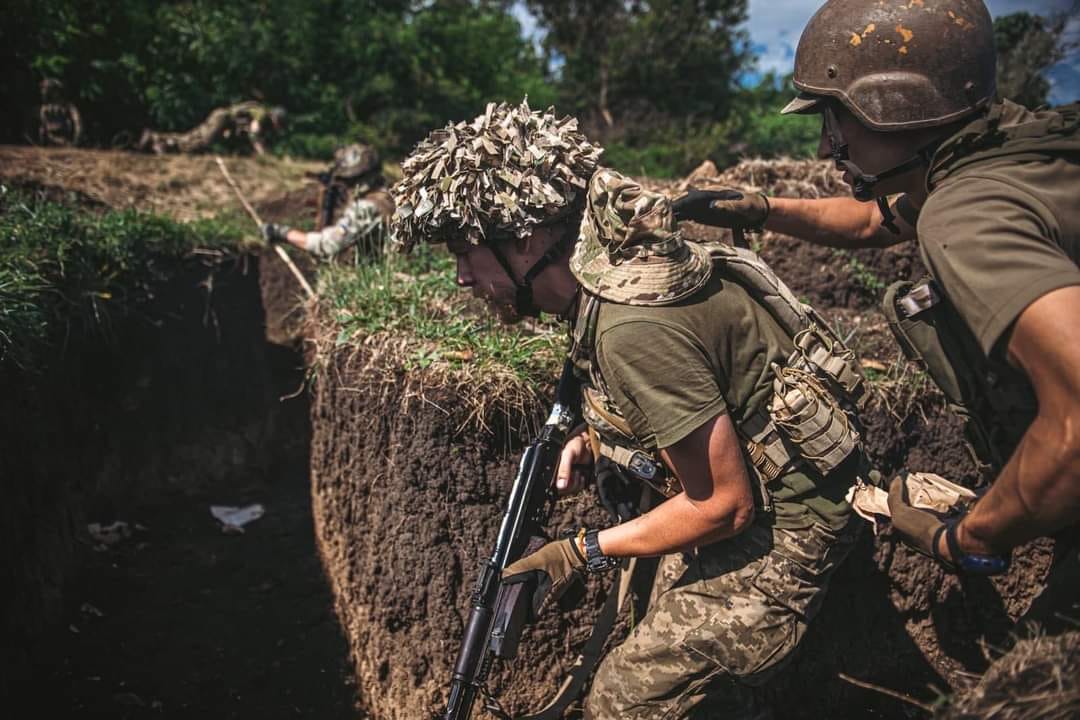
[550,569]
[274,232]
[723,208]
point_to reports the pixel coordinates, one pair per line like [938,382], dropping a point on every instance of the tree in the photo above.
[643,63]
[1027,45]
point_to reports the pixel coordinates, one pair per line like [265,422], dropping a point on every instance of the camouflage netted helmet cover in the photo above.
[356,160]
[506,172]
[630,251]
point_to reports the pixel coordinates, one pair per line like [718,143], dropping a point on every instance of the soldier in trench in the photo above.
[692,383]
[989,190]
[355,180]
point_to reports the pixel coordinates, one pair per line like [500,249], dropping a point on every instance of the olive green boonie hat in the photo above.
[629,251]
[500,175]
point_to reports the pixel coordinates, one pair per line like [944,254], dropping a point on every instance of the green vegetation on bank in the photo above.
[414,301]
[65,269]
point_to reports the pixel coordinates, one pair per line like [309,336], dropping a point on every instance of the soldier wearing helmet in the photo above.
[355,182]
[989,190]
[698,368]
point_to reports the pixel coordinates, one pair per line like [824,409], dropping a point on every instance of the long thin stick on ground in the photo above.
[258,221]
[886,691]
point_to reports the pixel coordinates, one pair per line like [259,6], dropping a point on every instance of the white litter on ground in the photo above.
[233,519]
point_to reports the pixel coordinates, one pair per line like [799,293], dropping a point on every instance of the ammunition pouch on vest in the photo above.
[810,417]
[995,401]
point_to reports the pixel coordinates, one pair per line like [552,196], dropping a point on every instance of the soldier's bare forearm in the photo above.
[1038,491]
[673,526]
[1036,494]
[297,238]
[835,222]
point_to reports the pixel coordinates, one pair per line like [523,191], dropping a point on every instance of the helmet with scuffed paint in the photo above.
[897,64]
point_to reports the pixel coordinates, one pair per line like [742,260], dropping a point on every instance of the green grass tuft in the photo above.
[416,298]
[62,265]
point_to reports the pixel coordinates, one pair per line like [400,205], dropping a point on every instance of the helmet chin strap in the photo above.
[862,184]
[524,304]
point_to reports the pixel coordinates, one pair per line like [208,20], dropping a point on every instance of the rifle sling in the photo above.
[587,660]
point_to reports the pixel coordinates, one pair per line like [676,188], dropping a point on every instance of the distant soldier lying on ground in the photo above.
[991,192]
[59,122]
[250,120]
[355,182]
[699,370]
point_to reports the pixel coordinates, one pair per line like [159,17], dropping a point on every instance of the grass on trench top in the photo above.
[65,268]
[416,297]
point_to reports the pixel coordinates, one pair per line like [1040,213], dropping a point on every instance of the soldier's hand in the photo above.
[550,570]
[922,529]
[274,232]
[575,464]
[725,207]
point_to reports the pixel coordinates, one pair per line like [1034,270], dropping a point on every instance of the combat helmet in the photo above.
[897,64]
[355,161]
[506,173]
[503,174]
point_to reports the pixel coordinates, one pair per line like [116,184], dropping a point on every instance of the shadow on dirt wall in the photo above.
[149,420]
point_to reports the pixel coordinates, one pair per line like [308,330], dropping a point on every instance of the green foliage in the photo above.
[416,299]
[1027,45]
[753,128]
[382,72]
[61,266]
[863,276]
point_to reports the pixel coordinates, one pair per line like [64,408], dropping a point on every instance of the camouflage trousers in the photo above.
[720,622]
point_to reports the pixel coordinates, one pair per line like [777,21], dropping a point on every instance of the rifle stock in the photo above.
[498,612]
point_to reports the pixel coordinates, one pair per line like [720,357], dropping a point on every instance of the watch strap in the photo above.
[595,559]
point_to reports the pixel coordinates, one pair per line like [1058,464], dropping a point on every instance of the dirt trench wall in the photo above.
[168,398]
[405,505]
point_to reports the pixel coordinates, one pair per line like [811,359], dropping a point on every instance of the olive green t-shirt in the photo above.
[672,368]
[1001,226]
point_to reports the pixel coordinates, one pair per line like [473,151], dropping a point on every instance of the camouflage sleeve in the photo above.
[362,224]
[660,378]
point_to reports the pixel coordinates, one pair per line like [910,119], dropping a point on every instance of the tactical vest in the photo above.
[995,400]
[810,418]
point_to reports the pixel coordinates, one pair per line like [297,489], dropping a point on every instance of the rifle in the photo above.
[500,612]
[328,196]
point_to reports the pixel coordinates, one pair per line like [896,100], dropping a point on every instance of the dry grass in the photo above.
[183,187]
[1038,678]
[478,396]
[408,321]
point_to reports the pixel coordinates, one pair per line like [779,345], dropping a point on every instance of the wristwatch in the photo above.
[595,560]
[970,563]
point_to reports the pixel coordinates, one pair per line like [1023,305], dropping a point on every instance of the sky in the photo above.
[775,25]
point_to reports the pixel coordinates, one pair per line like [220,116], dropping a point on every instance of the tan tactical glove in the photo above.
[551,568]
[921,527]
[724,207]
